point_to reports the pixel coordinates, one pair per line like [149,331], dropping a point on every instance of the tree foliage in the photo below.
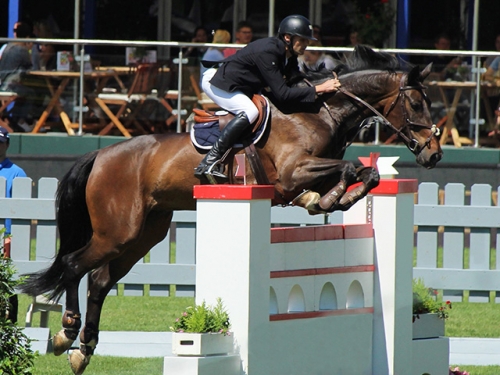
[16,356]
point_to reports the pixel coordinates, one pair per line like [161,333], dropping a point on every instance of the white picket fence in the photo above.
[464,226]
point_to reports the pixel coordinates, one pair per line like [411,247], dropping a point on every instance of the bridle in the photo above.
[411,143]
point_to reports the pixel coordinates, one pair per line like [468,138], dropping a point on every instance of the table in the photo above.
[451,108]
[100,77]
[117,71]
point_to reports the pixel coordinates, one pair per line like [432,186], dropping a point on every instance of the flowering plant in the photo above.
[456,371]
[424,301]
[203,319]
[373,21]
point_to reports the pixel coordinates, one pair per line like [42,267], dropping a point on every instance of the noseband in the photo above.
[412,143]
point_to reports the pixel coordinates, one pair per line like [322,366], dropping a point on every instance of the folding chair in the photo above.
[141,89]
[42,305]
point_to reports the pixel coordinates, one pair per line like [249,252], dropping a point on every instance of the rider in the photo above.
[266,62]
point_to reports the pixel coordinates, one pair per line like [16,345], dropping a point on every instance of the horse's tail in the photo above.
[74,225]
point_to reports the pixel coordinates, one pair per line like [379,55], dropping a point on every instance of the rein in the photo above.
[412,144]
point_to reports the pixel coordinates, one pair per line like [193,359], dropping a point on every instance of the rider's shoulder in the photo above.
[270,44]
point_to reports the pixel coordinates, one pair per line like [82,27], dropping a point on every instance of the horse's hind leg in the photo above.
[71,320]
[105,277]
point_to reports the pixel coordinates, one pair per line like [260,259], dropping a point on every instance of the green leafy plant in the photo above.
[203,319]
[374,20]
[425,301]
[16,356]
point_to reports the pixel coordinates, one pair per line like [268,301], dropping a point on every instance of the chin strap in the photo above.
[289,45]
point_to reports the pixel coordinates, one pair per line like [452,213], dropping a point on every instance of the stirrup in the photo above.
[211,174]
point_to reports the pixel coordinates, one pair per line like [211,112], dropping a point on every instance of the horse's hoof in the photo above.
[308,199]
[78,361]
[61,343]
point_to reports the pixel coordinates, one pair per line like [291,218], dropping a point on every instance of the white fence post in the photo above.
[391,208]
[233,229]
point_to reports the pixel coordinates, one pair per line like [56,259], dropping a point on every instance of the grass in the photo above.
[149,314]
[99,365]
[473,320]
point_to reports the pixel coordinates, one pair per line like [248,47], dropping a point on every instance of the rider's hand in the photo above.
[328,86]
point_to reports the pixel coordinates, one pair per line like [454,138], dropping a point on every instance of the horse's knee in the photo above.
[349,173]
[369,176]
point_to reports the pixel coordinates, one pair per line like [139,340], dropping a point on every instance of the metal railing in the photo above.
[79,44]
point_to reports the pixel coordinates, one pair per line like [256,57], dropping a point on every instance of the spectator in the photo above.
[215,54]
[445,66]
[490,59]
[244,35]
[317,33]
[493,75]
[42,29]
[354,38]
[200,36]
[9,171]
[493,70]
[14,64]
[48,57]
[315,60]
[21,30]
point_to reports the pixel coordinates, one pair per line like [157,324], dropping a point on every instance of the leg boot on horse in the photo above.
[229,135]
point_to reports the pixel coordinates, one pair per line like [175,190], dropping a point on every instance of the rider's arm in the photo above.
[269,65]
[328,86]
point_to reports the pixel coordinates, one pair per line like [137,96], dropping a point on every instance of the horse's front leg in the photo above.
[310,171]
[369,178]
[320,174]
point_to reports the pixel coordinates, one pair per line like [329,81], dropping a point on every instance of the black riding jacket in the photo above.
[261,64]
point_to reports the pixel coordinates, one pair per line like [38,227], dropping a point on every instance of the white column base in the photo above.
[214,365]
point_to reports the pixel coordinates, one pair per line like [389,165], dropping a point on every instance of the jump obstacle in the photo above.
[329,299]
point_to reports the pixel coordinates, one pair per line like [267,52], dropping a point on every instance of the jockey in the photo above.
[266,62]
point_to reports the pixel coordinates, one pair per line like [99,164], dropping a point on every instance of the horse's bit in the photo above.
[412,144]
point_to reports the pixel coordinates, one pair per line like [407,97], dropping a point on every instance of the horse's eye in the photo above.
[416,106]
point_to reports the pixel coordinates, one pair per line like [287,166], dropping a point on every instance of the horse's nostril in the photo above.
[435,158]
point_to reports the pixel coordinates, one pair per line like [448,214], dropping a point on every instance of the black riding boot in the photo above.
[229,135]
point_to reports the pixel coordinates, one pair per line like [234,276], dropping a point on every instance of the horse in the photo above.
[116,203]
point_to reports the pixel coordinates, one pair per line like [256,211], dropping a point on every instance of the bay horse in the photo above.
[116,203]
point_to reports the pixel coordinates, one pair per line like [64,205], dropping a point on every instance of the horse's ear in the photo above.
[425,73]
[414,76]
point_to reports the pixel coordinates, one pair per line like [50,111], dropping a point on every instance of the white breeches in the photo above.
[234,102]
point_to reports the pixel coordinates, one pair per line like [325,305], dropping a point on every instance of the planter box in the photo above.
[201,344]
[430,356]
[428,326]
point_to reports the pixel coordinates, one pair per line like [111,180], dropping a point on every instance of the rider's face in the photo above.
[299,44]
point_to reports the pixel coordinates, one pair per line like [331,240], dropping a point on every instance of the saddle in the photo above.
[223,117]
[210,123]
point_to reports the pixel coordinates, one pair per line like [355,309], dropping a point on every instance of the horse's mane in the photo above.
[362,58]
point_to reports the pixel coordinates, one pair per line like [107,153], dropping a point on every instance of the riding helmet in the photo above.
[296,25]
